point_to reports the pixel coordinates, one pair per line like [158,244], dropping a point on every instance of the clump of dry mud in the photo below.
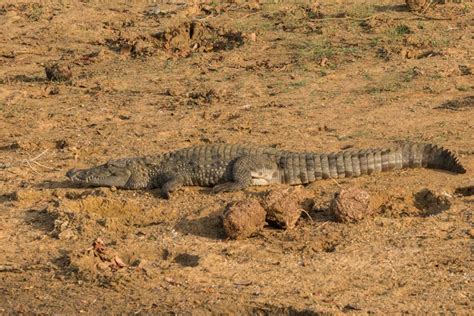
[58,72]
[182,40]
[133,44]
[198,36]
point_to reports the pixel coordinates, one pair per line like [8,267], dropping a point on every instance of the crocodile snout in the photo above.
[71,173]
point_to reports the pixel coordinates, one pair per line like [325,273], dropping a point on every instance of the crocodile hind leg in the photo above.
[248,170]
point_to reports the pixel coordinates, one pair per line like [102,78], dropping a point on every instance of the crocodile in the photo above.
[231,167]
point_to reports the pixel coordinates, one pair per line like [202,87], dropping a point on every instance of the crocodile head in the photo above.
[127,173]
[104,175]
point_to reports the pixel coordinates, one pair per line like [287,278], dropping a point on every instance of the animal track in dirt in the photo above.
[268,309]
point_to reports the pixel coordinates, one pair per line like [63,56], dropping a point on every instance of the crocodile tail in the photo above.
[309,167]
[432,157]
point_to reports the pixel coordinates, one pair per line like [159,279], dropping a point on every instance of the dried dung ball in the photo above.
[58,72]
[417,5]
[350,205]
[283,207]
[243,218]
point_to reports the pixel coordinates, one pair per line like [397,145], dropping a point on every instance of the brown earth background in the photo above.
[149,78]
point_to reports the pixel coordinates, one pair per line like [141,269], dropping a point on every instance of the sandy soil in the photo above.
[148,79]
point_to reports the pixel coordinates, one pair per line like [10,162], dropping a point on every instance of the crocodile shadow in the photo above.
[64,184]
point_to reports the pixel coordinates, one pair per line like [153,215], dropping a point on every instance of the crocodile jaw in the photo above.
[104,175]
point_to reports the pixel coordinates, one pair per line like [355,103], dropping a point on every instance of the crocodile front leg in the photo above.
[171,186]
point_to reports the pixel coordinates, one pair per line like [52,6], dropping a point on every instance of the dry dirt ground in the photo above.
[152,78]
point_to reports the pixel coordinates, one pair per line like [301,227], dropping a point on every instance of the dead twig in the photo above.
[348,18]
[323,224]
[33,160]
[31,167]
[430,17]
[44,166]
[307,214]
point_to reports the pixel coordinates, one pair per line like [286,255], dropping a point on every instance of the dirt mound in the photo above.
[197,36]
[420,203]
[431,203]
[83,214]
[97,263]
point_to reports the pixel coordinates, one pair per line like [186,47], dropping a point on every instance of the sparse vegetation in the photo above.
[401,30]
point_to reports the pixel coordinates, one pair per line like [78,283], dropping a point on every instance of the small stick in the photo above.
[44,152]
[31,167]
[347,18]
[41,165]
[322,224]
[33,160]
[307,214]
